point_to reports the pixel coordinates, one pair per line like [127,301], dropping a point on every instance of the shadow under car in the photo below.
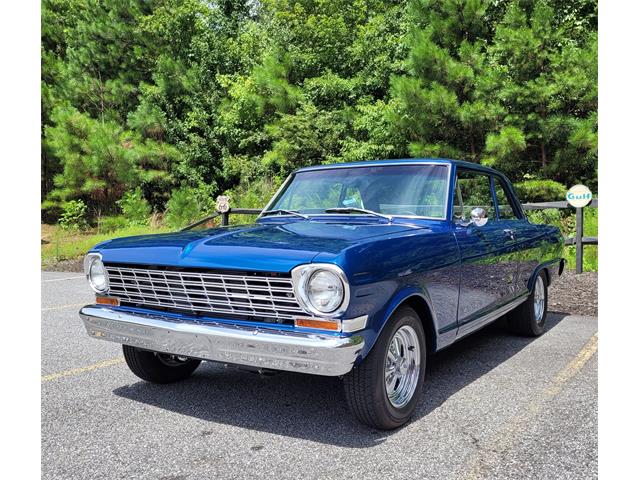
[313,407]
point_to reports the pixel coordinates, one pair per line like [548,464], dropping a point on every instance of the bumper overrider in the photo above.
[314,353]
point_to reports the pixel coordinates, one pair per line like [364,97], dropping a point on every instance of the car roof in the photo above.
[402,161]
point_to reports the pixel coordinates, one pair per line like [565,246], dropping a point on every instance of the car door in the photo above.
[527,236]
[489,256]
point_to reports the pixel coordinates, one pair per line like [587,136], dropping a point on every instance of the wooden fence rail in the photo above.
[579,240]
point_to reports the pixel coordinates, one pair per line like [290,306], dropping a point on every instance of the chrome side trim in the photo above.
[473,325]
[313,353]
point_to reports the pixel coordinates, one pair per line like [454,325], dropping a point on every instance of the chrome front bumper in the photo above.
[314,353]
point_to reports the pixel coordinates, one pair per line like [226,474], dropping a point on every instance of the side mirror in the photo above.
[479,217]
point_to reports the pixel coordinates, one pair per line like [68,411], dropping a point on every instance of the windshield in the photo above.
[399,190]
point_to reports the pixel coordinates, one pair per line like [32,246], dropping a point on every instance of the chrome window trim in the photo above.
[336,167]
[276,195]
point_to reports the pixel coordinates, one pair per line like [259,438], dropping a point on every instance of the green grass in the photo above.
[65,245]
[590,255]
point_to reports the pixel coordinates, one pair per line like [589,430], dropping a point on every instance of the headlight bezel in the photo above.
[90,260]
[301,277]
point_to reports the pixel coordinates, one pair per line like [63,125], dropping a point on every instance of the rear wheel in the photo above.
[156,367]
[384,389]
[529,318]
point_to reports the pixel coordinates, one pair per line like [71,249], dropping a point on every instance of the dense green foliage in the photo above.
[182,100]
[74,215]
[135,207]
[566,221]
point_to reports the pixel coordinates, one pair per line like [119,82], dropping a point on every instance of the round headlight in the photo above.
[96,273]
[325,291]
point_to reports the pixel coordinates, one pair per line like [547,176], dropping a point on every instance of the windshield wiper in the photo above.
[280,211]
[388,218]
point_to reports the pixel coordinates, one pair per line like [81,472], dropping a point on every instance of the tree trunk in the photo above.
[473,146]
[543,154]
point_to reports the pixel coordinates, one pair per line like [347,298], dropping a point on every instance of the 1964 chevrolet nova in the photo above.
[357,270]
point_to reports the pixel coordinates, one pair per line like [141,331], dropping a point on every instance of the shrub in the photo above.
[548,216]
[74,216]
[540,191]
[135,208]
[187,205]
[112,224]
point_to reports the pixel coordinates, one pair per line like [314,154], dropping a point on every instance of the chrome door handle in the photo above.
[509,233]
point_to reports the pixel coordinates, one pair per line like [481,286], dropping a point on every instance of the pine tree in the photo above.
[441,109]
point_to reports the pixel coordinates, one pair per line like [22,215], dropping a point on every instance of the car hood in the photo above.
[269,247]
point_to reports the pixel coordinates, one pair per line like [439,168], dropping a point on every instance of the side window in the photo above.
[506,208]
[473,189]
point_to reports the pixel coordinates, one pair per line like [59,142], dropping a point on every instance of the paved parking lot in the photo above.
[494,406]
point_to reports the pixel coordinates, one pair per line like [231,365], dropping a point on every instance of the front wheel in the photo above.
[156,367]
[384,389]
[528,319]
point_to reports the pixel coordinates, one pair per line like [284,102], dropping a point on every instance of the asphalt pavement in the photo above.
[494,406]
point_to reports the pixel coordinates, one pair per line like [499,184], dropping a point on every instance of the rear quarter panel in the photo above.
[541,246]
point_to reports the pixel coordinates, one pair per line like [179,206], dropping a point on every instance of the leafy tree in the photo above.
[202,97]
[441,107]
[101,159]
[546,81]
[58,16]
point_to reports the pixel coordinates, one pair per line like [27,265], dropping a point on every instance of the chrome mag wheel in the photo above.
[402,367]
[538,300]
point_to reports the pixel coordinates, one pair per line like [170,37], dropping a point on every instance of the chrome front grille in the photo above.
[264,297]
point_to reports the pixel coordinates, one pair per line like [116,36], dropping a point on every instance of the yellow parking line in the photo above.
[60,307]
[88,368]
[573,367]
[504,439]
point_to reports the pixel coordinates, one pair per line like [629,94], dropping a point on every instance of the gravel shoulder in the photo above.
[71,265]
[573,293]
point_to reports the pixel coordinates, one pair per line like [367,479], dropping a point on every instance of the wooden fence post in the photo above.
[579,235]
[225,218]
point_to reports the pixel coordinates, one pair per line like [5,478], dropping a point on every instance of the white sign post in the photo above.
[579,196]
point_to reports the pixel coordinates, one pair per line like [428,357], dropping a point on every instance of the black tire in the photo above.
[523,319]
[365,385]
[157,367]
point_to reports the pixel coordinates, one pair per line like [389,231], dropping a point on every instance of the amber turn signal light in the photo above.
[114,302]
[323,324]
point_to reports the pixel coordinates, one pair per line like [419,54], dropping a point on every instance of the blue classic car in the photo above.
[358,270]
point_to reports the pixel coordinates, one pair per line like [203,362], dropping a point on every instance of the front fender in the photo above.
[420,300]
